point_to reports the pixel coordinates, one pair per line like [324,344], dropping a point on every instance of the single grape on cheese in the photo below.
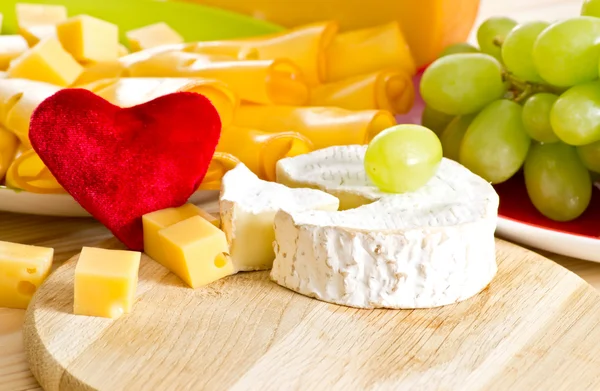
[23,268]
[105,282]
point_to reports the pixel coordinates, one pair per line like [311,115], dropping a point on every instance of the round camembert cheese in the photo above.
[427,248]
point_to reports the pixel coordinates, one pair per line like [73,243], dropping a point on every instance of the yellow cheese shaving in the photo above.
[131,91]
[305,46]
[219,165]
[259,81]
[324,126]
[368,50]
[8,149]
[384,90]
[259,150]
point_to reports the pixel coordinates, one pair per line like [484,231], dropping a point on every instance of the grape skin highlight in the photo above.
[566,53]
[495,144]
[462,83]
[517,50]
[558,184]
[403,158]
[575,116]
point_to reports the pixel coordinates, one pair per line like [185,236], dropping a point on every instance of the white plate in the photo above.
[62,204]
[571,245]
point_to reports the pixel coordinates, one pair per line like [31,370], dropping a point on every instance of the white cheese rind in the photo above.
[424,249]
[248,206]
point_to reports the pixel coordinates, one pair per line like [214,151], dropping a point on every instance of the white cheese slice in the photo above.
[248,206]
[423,249]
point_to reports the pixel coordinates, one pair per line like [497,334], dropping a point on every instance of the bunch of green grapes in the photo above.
[528,98]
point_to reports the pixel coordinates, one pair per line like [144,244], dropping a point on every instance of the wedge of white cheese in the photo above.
[248,206]
[423,249]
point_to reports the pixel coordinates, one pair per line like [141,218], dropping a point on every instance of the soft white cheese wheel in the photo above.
[422,249]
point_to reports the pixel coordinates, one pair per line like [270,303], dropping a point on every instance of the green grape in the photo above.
[493,32]
[566,53]
[403,158]
[591,8]
[453,135]
[495,144]
[536,117]
[456,48]
[517,48]
[590,156]
[435,120]
[575,116]
[558,184]
[462,83]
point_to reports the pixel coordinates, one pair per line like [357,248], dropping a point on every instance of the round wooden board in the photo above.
[536,327]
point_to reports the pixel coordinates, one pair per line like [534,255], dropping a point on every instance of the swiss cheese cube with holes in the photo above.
[196,251]
[155,221]
[47,61]
[89,39]
[23,268]
[105,282]
[153,35]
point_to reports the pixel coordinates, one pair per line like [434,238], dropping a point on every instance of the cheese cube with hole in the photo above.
[47,61]
[155,221]
[23,268]
[11,47]
[39,14]
[248,207]
[196,251]
[35,34]
[89,39]
[105,282]
[151,36]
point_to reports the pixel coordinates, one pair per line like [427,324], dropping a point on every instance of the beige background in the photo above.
[68,235]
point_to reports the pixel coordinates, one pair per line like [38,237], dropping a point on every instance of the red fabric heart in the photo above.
[120,164]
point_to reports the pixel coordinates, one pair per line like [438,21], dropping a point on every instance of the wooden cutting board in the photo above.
[536,327]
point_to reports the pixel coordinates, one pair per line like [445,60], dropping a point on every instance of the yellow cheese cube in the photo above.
[151,36]
[34,34]
[37,14]
[196,251]
[11,46]
[89,39]
[47,61]
[105,282]
[155,221]
[99,70]
[22,270]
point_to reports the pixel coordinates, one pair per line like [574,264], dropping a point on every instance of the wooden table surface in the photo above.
[67,236]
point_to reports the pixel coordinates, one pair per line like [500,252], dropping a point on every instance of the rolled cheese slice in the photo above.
[11,46]
[95,71]
[18,99]
[423,249]
[220,164]
[8,149]
[368,50]
[382,90]
[324,126]
[305,46]
[131,91]
[277,81]
[28,172]
[248,206]
[259,150]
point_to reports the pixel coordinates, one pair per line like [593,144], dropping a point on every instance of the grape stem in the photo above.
[525,89]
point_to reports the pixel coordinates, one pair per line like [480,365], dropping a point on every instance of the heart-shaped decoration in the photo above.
[121,163]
